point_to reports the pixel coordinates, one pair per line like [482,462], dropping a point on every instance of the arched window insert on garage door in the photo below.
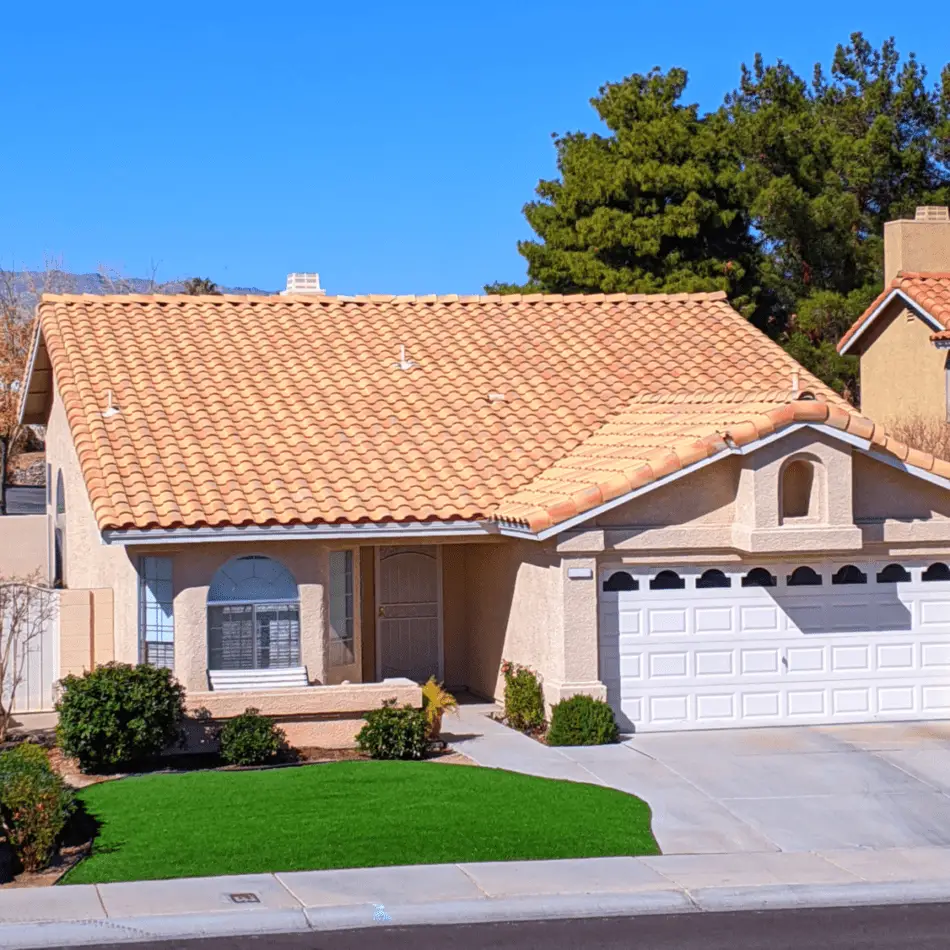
[620,580]
[758,577]
[667,580]
[936,572]
[713,578]
[893,574]
[849,574]
[804,577]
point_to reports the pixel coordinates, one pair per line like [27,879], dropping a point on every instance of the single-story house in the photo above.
[310,503]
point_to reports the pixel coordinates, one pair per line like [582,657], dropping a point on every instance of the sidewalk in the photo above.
[468,893]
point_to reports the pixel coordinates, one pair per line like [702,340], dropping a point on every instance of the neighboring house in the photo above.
[290,499]
[904,336]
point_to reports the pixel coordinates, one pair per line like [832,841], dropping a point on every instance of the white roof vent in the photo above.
[932,213]
[304,284]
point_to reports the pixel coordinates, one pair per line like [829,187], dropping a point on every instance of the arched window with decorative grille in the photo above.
[253,616]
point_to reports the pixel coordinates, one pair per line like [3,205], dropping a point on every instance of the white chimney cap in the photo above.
[304,284]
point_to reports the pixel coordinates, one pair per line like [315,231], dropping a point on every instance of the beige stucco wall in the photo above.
[24,543]
[916,247]
[511,604]
[193,569]
[882,491]
[88,563]
[902,373]
[706,497]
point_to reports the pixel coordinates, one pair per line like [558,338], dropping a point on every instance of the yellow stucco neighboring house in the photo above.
[309,504]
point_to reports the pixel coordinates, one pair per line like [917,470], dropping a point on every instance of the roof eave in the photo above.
[31,390]
[372,531]
[872,315]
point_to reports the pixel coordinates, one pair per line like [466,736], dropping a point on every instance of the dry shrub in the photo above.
[927,433]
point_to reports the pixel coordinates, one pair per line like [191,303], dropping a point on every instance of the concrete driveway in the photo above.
[745,790]
[790,789]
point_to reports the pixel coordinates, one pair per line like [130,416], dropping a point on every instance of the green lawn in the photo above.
[349,814]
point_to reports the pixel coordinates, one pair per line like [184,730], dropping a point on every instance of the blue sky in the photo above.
[388,146]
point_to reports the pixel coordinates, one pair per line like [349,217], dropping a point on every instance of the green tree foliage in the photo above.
[778,197]
[197,286]
[652,207]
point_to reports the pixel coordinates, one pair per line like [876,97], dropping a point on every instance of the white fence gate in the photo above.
[34,659]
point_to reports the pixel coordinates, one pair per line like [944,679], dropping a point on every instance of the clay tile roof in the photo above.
[929,292]
[294,410]
[659,435]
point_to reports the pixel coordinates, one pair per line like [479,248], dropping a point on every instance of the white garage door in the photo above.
[713,648]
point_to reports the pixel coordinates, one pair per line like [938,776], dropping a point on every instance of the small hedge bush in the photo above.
[118,715]
[251,739]
[582,720]
[35,805]
[524,700]
[392,732]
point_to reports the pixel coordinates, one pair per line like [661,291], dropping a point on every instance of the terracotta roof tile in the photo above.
[283,410]
[644,443]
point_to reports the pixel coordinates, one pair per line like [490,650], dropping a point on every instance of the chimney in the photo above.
[918,246]
[304,284]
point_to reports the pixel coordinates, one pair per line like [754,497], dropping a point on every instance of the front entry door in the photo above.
[409,612]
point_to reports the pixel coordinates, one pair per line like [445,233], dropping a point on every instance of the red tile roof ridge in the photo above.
[324,299]
[920,275]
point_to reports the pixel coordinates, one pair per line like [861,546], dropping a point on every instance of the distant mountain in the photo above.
[29,284]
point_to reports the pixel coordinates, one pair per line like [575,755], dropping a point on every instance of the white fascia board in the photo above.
[376,532]
[873,315]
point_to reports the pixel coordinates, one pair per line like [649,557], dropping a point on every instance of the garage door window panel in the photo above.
[713,578]
[849,574]
[804,577]
[758,577]
[667,580]
[893,574]
[620,580]
[936,572]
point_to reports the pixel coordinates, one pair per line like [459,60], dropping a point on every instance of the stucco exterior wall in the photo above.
[193,569]
[24,546]
[902,373]
[87,562]
[454,615]
[882,492]
[514,609]
[706,497]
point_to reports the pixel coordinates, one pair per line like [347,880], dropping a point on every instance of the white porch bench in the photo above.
[292,677]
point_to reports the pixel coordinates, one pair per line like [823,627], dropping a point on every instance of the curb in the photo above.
[33,936]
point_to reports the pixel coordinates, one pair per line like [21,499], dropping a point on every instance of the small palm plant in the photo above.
[435,701]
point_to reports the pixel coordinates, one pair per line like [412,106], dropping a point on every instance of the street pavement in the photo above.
[921,927]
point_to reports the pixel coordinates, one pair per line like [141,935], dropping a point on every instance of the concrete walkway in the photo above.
[466,893]
[798,789]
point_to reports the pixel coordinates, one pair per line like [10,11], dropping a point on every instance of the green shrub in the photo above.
[118,715]
[24,755]
[35,805]
[251,739]
[582,720]
[524,700]
[392,732]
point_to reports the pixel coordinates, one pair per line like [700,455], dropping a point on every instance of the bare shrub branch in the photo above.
[26,608]
[927,433]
